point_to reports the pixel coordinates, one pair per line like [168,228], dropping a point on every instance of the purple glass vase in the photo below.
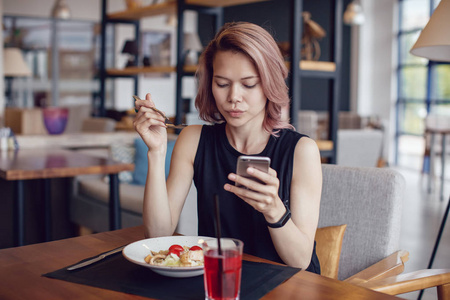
[55,119]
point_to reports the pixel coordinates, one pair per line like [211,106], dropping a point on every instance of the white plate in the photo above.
[137,251]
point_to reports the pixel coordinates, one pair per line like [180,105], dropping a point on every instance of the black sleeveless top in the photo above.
[214,160]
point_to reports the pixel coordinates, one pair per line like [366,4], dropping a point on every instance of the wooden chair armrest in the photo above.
[387,267]
[413,281]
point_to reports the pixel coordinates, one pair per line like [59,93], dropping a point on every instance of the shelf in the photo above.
[152,69]
[190,69]
[170,7]
[140,70]
[309,67]
[321,66]
[324,66]
[221,3]
[324,145]
[316,69]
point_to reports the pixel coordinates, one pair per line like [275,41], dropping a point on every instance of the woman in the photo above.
[242,90]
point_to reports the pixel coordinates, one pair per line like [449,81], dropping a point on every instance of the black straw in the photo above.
[217,223]
[219,248]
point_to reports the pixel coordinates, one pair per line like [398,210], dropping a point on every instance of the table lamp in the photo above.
[354,14]
[434,41]
[434,44]
[192,46]
[61,10]
[130,48]
[14,66]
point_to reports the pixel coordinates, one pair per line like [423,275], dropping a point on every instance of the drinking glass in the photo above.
[222,270]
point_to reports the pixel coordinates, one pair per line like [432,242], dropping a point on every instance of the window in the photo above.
[422,84]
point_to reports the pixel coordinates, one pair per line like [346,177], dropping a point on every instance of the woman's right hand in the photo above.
[149,124]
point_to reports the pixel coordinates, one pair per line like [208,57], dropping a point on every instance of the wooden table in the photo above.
[22,267]
[26,164]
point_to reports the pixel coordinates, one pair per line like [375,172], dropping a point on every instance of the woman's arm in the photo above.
[163,201]
[295,240]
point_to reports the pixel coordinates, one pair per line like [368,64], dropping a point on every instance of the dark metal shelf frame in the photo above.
[297,74]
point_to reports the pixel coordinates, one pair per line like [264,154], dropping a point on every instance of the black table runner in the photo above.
[118,274]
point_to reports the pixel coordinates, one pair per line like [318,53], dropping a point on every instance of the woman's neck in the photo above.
[251,140]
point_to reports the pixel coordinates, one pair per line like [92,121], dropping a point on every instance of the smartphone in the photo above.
[261,163]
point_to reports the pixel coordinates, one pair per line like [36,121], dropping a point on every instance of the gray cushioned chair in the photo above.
[369,202]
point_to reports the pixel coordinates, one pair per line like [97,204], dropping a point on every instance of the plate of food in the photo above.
[173,256]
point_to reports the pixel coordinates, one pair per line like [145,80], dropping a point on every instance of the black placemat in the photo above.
[118,274]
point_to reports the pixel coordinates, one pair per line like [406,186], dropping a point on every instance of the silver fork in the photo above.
[167,121]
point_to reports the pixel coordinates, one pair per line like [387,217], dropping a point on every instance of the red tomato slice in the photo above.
[193,248]
[175,251]
[176,247]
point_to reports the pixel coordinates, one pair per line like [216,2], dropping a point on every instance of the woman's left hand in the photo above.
[261,196]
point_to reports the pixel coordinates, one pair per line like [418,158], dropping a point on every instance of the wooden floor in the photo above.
[421,220]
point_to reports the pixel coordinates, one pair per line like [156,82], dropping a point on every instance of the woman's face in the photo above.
[236,87]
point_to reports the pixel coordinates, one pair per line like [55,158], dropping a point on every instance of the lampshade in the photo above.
[130,47]
[61,10]
[354,14]
[434,41]
[13,63]
[192,42]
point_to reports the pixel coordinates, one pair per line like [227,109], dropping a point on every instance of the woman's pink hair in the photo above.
[260,47]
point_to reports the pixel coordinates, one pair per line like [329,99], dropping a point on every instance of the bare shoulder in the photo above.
[187,141]
[307,173]
[307,148]
[307,158]
[190,134]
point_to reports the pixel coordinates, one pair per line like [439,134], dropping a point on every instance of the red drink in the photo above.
[222,273]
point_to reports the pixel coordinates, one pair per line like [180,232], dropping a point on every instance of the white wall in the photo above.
[163,89]
[377,85]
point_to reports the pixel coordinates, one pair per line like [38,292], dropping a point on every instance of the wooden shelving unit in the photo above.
[221,3]
[170,7]
[139,70]
[314,69]
[320,66]
[152,69]
[190,68]
[298,68]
